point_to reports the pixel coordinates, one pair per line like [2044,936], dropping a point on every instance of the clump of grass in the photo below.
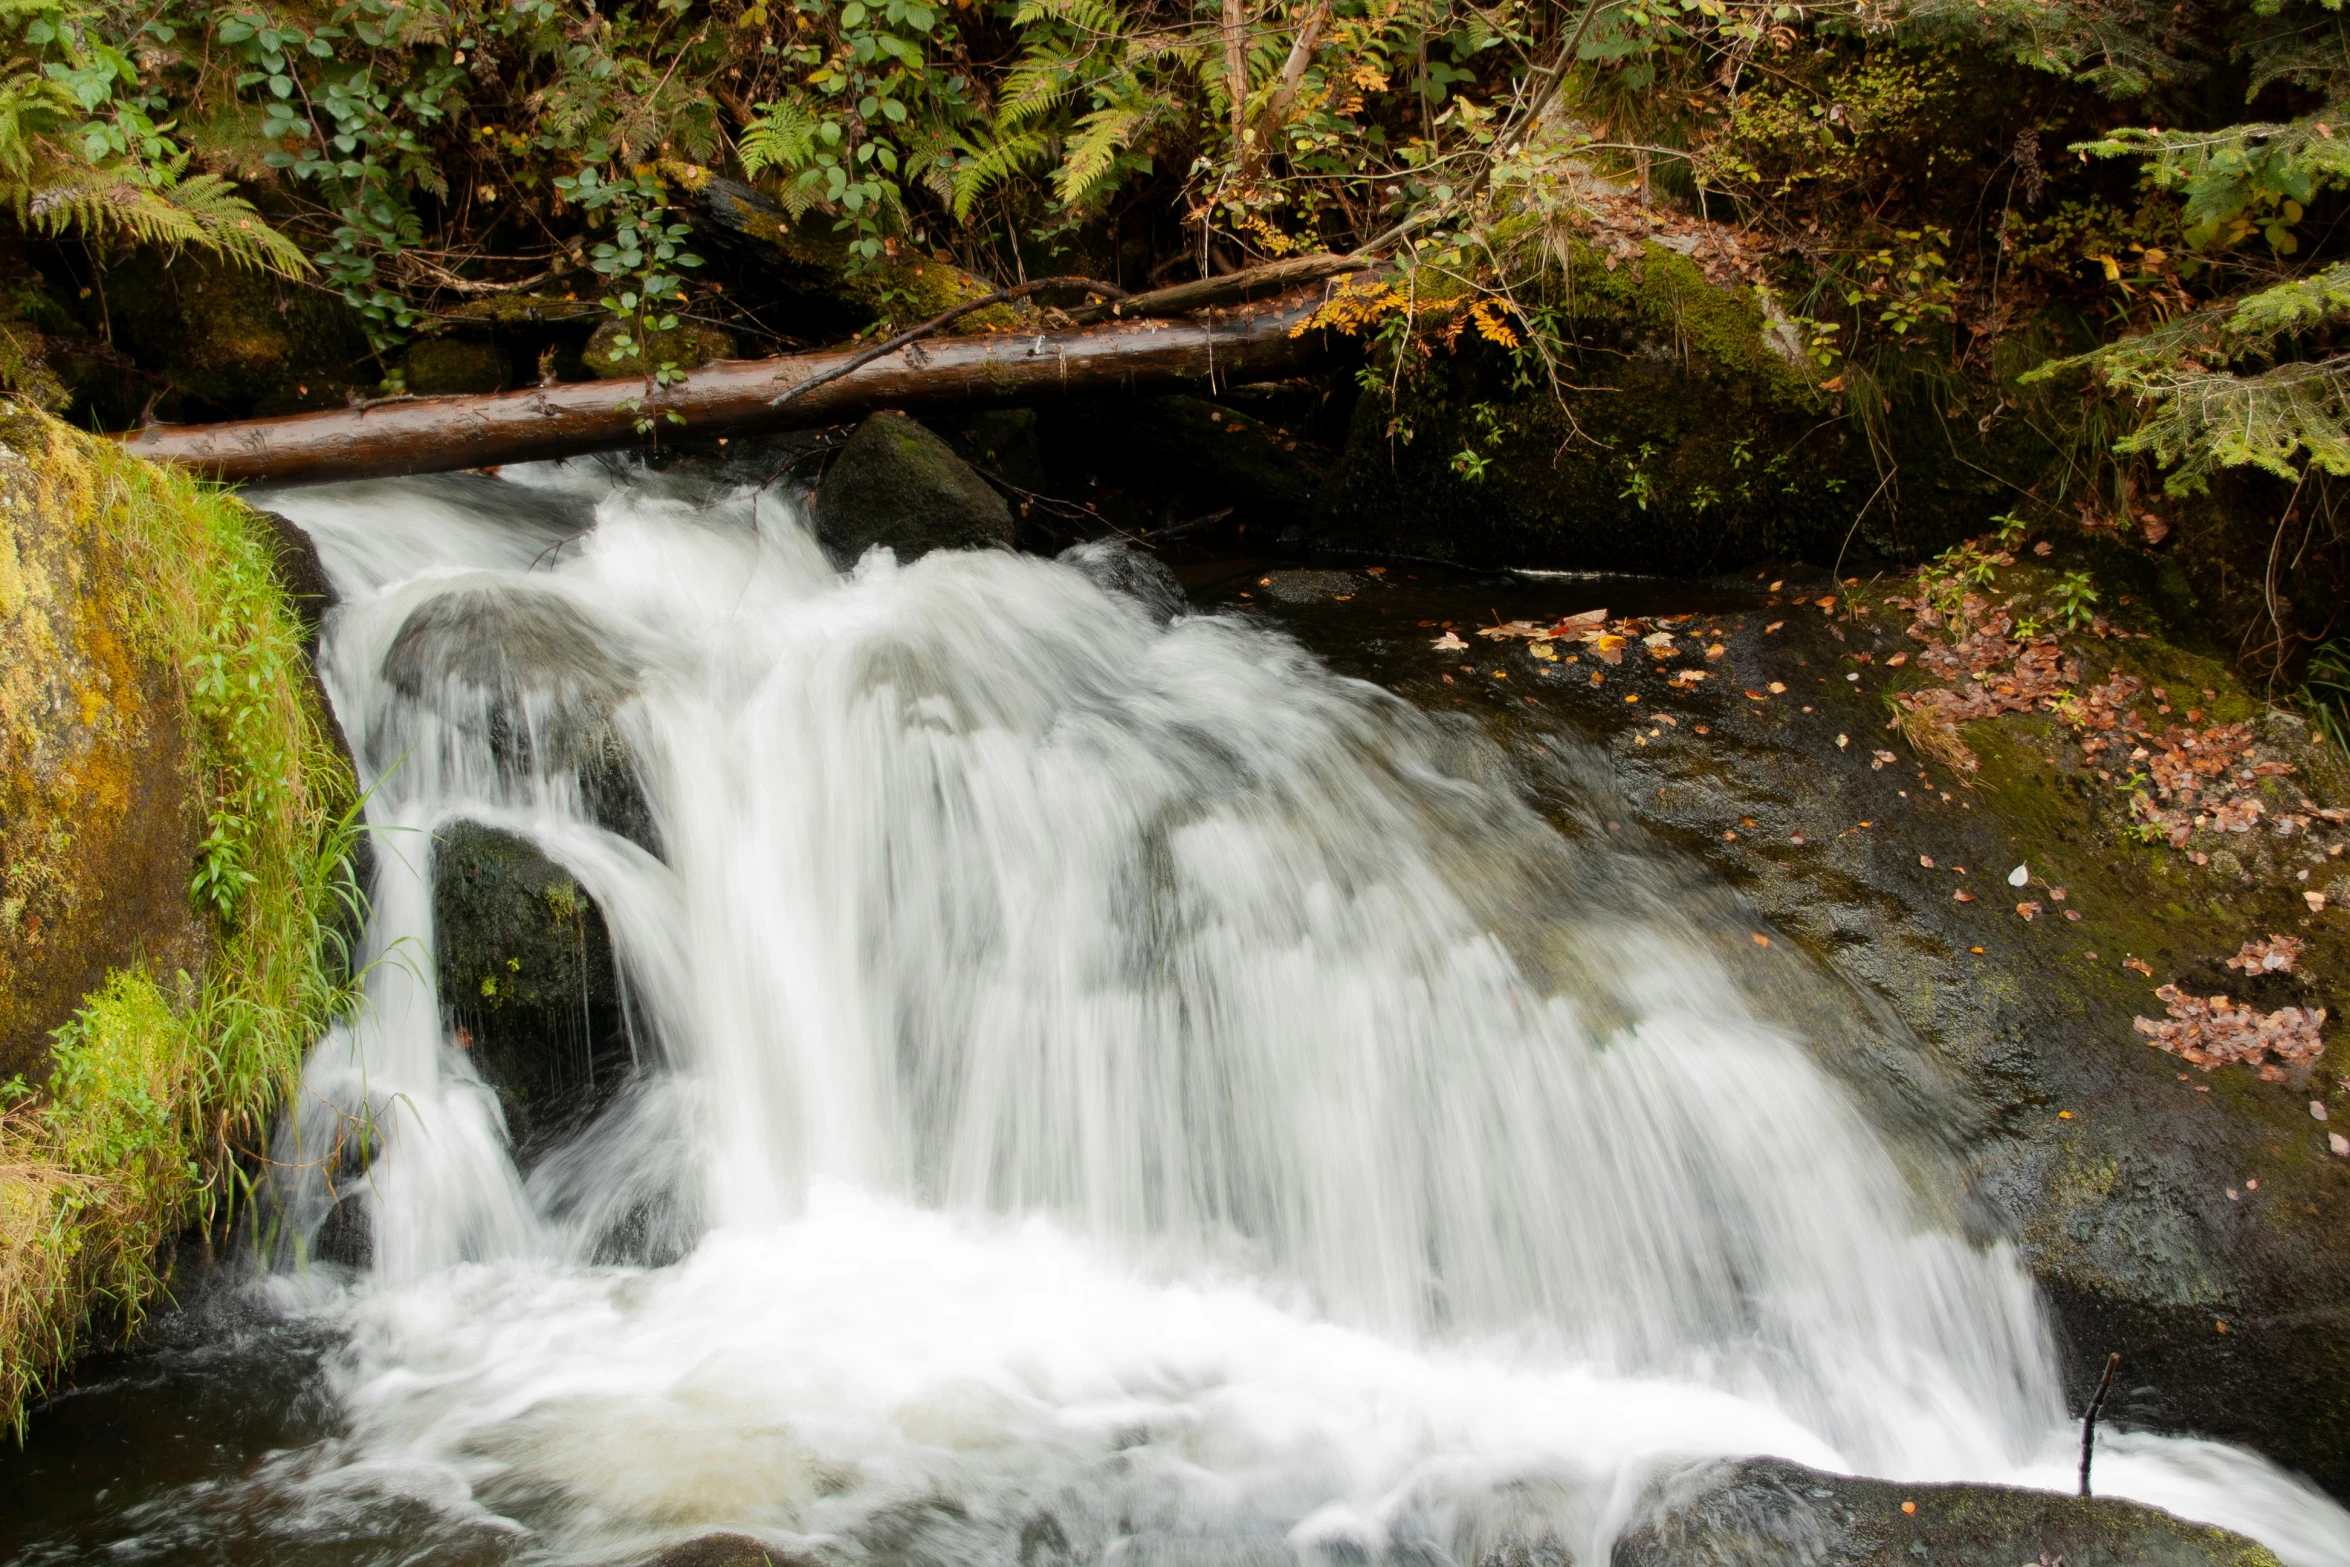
[161,1084]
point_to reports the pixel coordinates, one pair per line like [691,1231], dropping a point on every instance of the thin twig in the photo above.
[916,334]
[2089,1420]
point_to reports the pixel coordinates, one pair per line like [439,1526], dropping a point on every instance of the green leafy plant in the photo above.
[2075,598]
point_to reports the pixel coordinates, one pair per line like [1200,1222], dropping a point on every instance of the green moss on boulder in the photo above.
[172,848]
[454,366]
[899,485]
[688,346]
[99,808]
[233,341]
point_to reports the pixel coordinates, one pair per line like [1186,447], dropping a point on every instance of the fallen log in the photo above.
[738,397]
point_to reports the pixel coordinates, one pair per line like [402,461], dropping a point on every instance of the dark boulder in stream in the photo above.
[526,971]
[1770,1513]
[897,484]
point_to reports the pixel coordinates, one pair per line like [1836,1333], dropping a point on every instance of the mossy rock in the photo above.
[99,809]
[157,719]
[527,974]
[233,341]
[687,346]
[897,484]
[455,366]
[1691,437]
[1770,1513]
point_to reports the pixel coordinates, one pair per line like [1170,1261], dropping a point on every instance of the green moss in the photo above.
[689,345]
[447,366]
[164,1072]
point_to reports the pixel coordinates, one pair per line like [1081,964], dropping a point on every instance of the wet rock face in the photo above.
[527,977]
[99,811]
[1769,1513]
[2124,1177]
[897,484]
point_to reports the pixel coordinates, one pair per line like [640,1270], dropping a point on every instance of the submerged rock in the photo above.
[1307,586]
[1117,567]
[897,484]
[1770,1513]
[531,671]
[527,977]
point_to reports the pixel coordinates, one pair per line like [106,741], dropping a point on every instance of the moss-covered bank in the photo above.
[173,843]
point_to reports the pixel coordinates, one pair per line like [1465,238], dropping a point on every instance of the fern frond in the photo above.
[1093,155]
[994,164]
[782,137]
[66,195]
[1036,84]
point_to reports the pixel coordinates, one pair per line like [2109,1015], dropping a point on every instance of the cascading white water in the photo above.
[1109,1088]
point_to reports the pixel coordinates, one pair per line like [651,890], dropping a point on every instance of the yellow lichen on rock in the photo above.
[173,844]
[97,817]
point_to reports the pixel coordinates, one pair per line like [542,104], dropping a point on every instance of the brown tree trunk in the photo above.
[437,434]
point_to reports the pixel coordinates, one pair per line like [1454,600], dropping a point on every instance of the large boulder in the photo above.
[99,809]
[1771,1513]
[897,484]
[527,976]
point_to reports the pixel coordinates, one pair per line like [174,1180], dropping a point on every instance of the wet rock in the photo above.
[1118,567]
[527,977]
[2121,1174]
[1770,1513]
[1307,587]
[100,811]
[687,346]
[726,1550]
[897,484]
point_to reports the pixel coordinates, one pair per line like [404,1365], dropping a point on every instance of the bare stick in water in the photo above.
[2089,1420]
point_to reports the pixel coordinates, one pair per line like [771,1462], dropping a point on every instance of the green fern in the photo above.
[993,164]
[1093,156]
[782,137]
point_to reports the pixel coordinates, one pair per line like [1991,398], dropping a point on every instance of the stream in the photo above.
[1106,1088]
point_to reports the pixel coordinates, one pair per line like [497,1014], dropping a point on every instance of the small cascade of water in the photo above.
[1107,1086]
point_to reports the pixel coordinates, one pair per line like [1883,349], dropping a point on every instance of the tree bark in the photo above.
[438,434]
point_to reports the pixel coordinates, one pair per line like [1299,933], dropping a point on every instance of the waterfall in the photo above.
[1106,1086]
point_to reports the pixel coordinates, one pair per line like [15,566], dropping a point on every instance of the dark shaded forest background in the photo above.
[1663,286]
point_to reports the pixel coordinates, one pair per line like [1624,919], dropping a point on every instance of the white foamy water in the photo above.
[1108,1089]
